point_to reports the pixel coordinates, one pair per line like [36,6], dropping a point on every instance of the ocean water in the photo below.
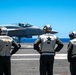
[32,40]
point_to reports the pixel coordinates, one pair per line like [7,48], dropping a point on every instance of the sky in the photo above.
[60,14]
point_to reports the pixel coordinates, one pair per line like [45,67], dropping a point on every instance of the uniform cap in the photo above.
[3,31]
[72,34]
[48,27]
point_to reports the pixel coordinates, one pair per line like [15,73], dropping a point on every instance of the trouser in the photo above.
[46,64]
[73,67]
[5,65]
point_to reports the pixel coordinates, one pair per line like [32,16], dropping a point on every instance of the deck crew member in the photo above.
[47,45]
[5,51]
[71,55]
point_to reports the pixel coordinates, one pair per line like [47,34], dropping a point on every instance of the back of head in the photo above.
[48,28]
[72,35]
[3,31]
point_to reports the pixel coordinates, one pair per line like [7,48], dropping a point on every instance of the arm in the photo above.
[70,47]
[36,45]
[59,45]
[16,47]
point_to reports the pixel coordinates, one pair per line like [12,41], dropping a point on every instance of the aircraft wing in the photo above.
[15,29]
[53,32]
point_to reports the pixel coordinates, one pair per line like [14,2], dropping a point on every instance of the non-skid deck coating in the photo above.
[26,61]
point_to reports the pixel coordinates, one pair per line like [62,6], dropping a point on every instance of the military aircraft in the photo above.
[23,30]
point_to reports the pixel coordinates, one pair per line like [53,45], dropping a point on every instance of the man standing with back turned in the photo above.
[71,55]
[45,45]
[5,52]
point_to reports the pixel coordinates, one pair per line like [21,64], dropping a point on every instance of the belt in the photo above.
[48,54]
[4,56]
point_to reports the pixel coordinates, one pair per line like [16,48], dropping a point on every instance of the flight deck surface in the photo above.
[26,61]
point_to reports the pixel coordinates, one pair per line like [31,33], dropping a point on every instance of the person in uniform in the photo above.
[71,55]
[47,45]
[5,51]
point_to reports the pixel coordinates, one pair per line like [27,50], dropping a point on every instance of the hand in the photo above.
[39,51]
[19,45]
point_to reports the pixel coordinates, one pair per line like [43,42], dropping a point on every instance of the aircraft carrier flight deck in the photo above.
[26,61]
